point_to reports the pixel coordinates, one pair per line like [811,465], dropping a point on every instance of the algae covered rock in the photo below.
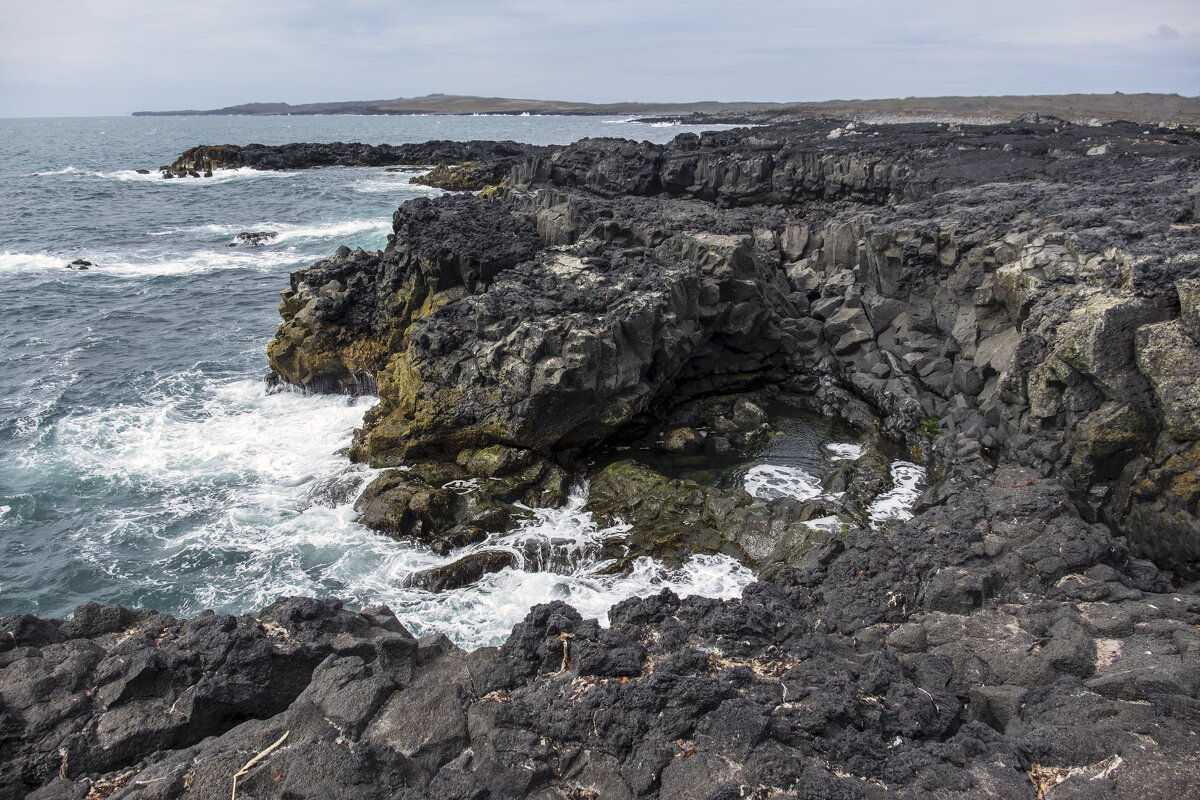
[447,505]
[466,177]
[673,519]
[326,342]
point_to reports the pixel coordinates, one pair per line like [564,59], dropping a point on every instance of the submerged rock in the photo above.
[254,238]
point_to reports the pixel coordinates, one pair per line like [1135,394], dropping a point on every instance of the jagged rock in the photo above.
[1171,361]
[467,177]
[449,505]
[997,646]
[1020,317]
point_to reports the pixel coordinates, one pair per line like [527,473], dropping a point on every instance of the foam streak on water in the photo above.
[908,479]
[572,572]
[769,481]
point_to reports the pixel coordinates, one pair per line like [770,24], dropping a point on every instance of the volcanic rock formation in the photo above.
[1016,306]
[997,286]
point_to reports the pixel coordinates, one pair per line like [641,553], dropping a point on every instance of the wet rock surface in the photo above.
[1015,306]
[254,238]
[995,646]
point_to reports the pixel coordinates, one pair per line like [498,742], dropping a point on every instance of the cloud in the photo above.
[126,55]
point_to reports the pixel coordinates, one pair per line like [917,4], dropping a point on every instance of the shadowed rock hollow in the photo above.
[1017,306]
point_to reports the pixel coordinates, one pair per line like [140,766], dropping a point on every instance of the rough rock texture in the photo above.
[1020,293]
[997,646]
[1019,306]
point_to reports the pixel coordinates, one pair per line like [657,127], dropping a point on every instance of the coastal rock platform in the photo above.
[1016,307]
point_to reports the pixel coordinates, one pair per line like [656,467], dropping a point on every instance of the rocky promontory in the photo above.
[476,164]
[1015,307]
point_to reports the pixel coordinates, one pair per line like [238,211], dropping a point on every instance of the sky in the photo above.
[84,57]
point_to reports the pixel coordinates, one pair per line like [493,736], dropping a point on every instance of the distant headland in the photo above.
[1144,107]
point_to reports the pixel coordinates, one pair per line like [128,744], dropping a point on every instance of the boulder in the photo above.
[463,571]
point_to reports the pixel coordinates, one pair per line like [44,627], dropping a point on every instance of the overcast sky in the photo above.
[91,57]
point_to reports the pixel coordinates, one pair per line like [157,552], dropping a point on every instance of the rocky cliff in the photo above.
[1016,306]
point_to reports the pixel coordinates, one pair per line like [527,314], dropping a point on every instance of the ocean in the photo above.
[142,460]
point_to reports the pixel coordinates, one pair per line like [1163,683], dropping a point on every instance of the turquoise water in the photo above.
[141,460]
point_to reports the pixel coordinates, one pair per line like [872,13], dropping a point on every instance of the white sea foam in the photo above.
[398,185]
[768,481]
[220,472]
[219,176]
[897,504]
[286,231]
[222,431]
[327,231]
[485,612]
[127,175]
[844,451]
[203,261]
[154,175]
[226,473]
[68,170]
[146,263]
[122,265]
[19,263]
[193,229]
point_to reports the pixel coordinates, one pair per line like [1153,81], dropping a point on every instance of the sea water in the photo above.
[142,460]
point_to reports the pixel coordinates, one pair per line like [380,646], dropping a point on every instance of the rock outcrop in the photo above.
[982,294]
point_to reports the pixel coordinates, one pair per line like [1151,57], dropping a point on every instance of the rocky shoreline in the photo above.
[475,163]
[1016,307]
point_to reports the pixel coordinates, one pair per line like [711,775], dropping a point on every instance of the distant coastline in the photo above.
[466,105]
[1146,107]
